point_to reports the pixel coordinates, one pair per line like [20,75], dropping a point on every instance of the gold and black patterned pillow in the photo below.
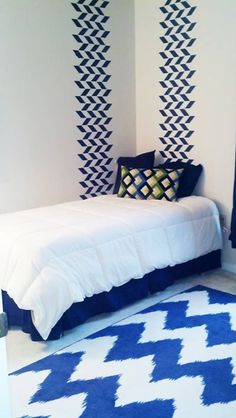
[155,183]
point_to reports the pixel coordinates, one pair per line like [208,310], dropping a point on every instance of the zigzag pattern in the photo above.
[175,359]
[177,58]
[93,66]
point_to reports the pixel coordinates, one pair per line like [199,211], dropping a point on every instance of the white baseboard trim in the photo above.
[229,267]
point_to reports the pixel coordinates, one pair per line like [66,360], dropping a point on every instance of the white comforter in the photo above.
[54,256]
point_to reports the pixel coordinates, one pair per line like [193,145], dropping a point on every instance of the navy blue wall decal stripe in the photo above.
[176,85]
[93,85]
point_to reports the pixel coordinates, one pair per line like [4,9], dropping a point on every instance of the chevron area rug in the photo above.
[175,359]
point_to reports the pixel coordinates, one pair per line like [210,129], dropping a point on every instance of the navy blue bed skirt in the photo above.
[117,298]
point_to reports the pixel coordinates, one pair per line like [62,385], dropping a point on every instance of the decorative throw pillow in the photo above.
[189,177]
[155,183]
[145,160]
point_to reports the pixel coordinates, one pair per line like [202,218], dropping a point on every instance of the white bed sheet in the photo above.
[54,256]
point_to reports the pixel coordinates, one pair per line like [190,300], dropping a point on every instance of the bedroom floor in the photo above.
[21,350]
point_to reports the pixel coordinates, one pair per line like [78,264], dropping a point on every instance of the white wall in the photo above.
[122,39]
[215,110]
[38,148]
[215,95]
[147,47]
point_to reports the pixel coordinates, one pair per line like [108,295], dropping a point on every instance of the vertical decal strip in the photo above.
[93,96]
[177,86]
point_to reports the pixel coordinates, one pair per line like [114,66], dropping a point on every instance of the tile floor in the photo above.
[21,350]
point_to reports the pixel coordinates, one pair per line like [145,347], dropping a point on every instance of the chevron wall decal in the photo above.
[177,85]
[93,96]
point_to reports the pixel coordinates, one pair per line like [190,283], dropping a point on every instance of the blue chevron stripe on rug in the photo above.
[176,359]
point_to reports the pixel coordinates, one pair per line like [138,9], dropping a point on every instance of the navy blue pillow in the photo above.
[145,160]
[188,179]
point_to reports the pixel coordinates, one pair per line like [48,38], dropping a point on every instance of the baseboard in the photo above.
[229,267]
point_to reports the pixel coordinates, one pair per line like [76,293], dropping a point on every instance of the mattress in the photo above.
[55,256]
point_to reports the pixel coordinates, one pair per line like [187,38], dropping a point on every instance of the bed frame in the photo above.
[117,298]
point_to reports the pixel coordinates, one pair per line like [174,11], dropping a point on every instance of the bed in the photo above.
[61,264]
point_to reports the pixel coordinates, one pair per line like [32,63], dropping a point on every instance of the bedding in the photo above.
[189,178]
[55,256]
[155,183]
[145,160]
[117,298]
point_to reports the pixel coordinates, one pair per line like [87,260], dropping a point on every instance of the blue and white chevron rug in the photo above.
[174,359]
